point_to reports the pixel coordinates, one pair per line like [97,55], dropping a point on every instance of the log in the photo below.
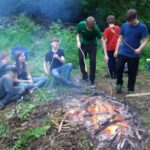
[137,95]
[148,59]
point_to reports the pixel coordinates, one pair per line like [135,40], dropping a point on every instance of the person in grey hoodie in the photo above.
[8,92]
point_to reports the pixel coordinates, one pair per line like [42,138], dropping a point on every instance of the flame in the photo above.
[95,113]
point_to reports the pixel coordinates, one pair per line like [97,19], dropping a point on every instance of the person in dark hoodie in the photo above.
[8,92]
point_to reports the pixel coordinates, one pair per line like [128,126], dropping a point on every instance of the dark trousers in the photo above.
[91,50]
[111,62]
[132,70]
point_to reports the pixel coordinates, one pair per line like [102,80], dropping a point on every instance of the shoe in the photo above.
[75,85]
[84,80]
[130,92]
[92,86]
[119,88]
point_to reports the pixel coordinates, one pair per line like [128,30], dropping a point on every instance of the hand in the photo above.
[47,72]
[30,81]
[55,56]
[106,58]
[115,54]
[137,51]
[78,45]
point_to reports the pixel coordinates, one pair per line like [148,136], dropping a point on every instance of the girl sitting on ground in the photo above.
[24,78]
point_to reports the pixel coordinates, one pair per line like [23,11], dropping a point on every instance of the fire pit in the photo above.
[106,120]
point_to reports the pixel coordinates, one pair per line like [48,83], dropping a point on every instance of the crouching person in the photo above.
[54,64]
[8,92]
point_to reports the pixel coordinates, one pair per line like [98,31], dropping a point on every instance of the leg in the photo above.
[121,60]
[39,81]
[112,64]
[56,74]
[81,61]
[132,72]
[67,68]
[12,96]
[92,55]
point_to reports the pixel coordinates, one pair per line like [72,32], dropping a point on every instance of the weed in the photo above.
[29,136]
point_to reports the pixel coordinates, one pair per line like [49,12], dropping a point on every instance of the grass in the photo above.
[26,33]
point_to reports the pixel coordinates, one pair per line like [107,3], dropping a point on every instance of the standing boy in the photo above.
[132,39]
[111,34]
[87,35]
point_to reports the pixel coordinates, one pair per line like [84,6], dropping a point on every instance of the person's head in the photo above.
[4,58]
[54,43]
[91,23]
[19,57]
[111,19]
[131,16]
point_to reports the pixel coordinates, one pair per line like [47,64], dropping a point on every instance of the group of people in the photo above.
[121,45]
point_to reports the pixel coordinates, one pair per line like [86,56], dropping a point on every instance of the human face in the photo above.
[22,57]
[133,22]
[55,45]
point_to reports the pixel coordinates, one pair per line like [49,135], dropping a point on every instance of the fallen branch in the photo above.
[137,95]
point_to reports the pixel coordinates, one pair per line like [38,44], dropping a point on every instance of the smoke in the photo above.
[52,10]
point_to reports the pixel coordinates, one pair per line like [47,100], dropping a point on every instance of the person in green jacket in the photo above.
[87,35]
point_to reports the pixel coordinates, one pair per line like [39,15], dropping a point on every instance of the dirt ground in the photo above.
[72,139]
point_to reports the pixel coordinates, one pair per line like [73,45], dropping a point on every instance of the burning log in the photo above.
[108,121]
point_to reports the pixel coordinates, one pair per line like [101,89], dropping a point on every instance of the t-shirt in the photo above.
[54,62]
[132,35]
[88,37]
[111,34]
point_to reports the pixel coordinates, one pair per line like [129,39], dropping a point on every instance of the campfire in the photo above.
[107,121]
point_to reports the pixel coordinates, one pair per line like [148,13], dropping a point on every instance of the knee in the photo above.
[69,65]
[55,73]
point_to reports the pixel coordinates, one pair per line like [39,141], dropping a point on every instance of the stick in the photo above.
[60,126]
[137,95]
[84,59]
[148,59]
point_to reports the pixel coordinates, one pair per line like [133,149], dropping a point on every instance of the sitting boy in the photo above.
[55,64]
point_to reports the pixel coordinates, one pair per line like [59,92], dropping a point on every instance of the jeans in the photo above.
[37,83]
[132,70]
[91,50]
[62,73]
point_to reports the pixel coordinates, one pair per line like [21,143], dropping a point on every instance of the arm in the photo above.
[102,41]
[46,67]
[143,44]
[118,45]
[78,41]
[61,59]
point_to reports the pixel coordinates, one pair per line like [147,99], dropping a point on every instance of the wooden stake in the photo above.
[148,59]
[137,95]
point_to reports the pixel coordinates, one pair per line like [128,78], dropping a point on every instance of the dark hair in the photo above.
[131,14]
[24,67]
[111,19]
